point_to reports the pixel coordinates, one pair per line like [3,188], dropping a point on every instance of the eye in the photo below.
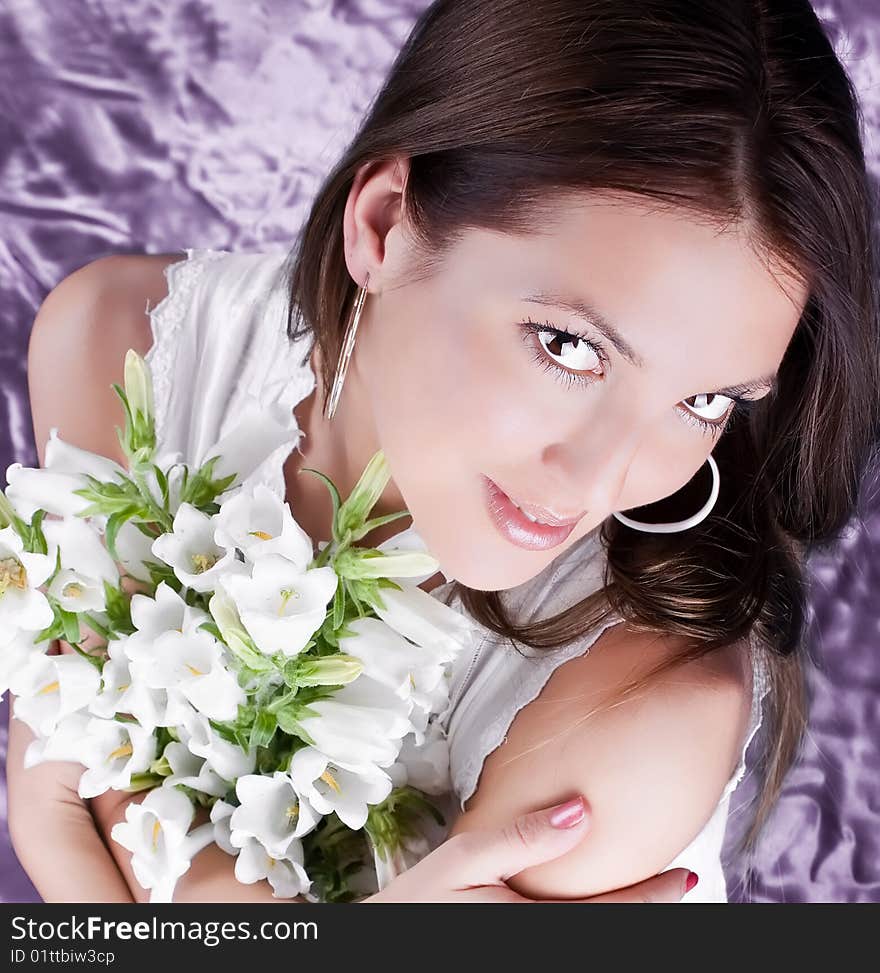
[573,358]
[570,350]
[709,407]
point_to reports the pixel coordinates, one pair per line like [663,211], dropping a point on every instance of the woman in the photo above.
[585,251]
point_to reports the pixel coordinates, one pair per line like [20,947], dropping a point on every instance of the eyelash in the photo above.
[533,328]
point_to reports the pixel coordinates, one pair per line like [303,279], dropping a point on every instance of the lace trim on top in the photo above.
[166,319]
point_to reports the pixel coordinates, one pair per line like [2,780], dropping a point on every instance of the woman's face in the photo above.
[471,374]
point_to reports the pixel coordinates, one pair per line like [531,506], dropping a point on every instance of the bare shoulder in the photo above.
[652,768]
[78,342]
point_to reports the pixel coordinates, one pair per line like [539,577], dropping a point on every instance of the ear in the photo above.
[373,209]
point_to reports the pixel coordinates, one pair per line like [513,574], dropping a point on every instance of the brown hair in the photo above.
[736,110]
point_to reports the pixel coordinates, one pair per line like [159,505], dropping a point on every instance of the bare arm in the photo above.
[653,768]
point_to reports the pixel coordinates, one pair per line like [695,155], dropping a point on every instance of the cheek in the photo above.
[444,398]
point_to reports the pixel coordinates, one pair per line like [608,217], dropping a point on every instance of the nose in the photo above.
[590,470]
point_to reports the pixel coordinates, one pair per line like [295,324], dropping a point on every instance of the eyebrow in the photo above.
[594,317]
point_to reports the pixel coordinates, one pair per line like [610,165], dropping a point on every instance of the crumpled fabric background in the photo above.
[153,125]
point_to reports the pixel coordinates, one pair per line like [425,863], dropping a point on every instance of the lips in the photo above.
[513,523]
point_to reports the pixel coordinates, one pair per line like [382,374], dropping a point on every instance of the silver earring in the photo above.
[347,348]
[679,525]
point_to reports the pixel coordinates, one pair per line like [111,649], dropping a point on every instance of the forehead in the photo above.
[660,275]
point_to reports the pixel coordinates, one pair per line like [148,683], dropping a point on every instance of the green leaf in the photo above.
[334,496]
[339,605]
[162,480]
[37,539]
[70,624]
[358,533]
[263,729]
[117,606]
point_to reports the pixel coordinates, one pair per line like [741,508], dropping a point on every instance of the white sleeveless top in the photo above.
[220,344]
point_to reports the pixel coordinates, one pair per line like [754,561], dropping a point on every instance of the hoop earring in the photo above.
[347,348]
[675,526]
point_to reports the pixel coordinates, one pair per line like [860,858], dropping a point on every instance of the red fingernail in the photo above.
[569,814]
[692,880]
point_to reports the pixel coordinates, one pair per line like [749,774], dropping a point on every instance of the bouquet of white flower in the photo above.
[232,666]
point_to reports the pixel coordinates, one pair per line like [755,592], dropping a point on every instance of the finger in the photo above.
[492,856]
[666,887]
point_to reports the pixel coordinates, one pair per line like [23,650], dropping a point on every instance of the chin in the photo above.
[473,570]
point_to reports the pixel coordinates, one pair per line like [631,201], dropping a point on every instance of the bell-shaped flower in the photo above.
[22,604]
[260,429]
[194,665]
[280,605]
[399,859]
[50,687]
[329,788]
[198,561]
[272,811]
[77,593]
[134,549]
[51,488]
[112,751]
[123,692]
[193,771]
[165,611]
[83,554]
[64,743]
[226,759]
[392,660]
[409,540]
[221,813]
[424,765]
[286,875]
[258,522]
[360,727]
[155,830]
[426,620]
[17,648]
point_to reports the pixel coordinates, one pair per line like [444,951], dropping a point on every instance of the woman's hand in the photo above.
[473,866]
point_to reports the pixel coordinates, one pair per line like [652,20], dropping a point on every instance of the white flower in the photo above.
[221,812]
[76,593]
[360,727]
[272,811]
[165,611]
[16,650]
[400,859]
[261,428]
[155,831]
[286,875]
[424,765]
[390,659]
[408,540]
[192,770]
[124,692]
[190,549]
[50,687]
[51,487]
[112,751]
[134,548]
[22,605]
[64,743]
[425,620]
[84,556]
[280,605]
[227,759]
[194,665]
[329,788]
[258,522]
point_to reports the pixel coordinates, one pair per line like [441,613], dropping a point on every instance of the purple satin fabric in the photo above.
[135,125]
